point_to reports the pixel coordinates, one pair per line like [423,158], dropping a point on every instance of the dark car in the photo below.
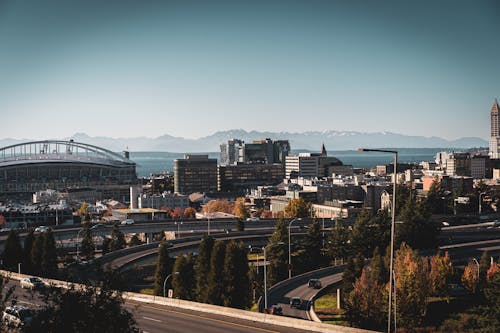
[295,302]
[314,283]
[276,310]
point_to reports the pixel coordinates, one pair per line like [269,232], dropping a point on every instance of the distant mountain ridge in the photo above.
[311,140]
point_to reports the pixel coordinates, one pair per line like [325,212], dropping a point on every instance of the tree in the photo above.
[183,281]
[49,255]
[91,309]
[3,221]
[312,244]
[298,208]
[240,225]
[189,213]
[436,198]
[134,241]
[349,277]
[117,239]
[338,244]
[176,213]
[365,304]
[28,246]
[484,265]
[106,243]
[215,280]
[37,254]
[492,271]
[362,234]
[277,254]
[470,279]
[378,272]
[203,267]
[236,281]
[13,252]
[218,206]
[83,212]
[240,209]
[88,246]
[162,268]
[412,286]
[441,273]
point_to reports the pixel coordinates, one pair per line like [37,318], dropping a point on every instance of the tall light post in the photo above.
[393,213]
[290,249]
[78,242]
[165,282]
[265,271]
[480,201]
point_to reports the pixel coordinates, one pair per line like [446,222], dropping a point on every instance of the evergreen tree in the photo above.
[37,254]
[277,254]
[236,281]
[117,239]
[203,267]
[28,246]
[215,288]
[162,268]
[87,246]
[338,246]
[134,241]
[348,277]
[183,282]
[378,273]
[13,252]
[312,256]
[436,199]
[362,234]
[106,244]
[381,229]
[49,255]
[415,230]
[484,265]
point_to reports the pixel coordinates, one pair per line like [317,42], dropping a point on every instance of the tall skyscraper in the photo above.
[495,130]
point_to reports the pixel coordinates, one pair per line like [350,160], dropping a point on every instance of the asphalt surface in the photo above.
[152,318]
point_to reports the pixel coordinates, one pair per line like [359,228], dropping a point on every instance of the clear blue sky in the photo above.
[191,68]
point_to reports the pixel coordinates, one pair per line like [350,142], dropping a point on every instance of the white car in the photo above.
[253,219]
[42,228]
[128,221]
[32,283]
[17,316]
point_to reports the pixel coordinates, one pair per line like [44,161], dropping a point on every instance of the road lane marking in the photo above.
[207,318]
[152,319]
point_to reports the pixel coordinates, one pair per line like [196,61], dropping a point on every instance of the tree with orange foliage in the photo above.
[218,206]
[298,208]
[267,214]
[441,272]
[470,278]
[2,220]
[176,213]
[412,286]
[240,209]
[492,271]
[189,213]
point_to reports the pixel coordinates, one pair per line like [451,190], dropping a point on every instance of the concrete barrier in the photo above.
[212,309]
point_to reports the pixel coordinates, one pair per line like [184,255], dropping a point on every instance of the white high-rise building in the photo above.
[495,130]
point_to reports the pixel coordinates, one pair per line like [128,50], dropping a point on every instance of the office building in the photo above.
[195,173]
[495,131]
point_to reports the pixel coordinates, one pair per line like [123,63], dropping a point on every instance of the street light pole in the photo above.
[290,249]
[265,277]
[165,282]
[77,243]
[480,202]
[393,223]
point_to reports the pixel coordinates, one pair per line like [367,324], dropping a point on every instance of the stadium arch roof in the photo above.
[58,151]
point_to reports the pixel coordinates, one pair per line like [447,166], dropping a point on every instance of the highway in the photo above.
[152,318]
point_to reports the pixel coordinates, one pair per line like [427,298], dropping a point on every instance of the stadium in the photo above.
[40,165]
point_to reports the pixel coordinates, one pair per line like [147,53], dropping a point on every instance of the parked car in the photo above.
[128,221]
[97,226]
[42,228]
[32,283]
[295,302]
[17,316]
[314,283]
[253,219]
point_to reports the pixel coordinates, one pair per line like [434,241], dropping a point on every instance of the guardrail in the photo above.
[213,309]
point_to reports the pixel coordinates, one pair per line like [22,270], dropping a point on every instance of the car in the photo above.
[276,310]
[97,226]
[295,302]
[17,316]
[314,283]
[253,219]
[32,283]
[42,228]
[127,221]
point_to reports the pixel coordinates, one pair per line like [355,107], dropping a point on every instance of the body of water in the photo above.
[157,162]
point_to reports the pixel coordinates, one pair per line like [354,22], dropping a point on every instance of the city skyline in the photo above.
[189,69]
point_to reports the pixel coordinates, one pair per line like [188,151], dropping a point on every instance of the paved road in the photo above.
[152,318]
